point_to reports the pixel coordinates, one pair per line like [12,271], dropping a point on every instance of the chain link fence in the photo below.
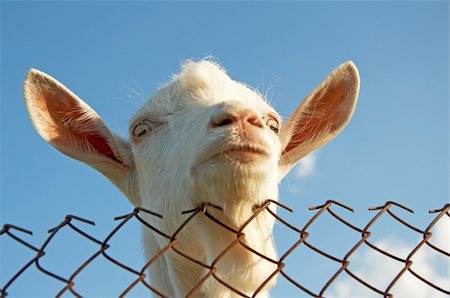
[69,283]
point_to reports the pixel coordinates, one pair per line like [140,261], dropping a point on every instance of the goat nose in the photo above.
[230,116]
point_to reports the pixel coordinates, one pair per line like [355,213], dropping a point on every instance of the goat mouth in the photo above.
[243,153]
[245,149]
[237,154]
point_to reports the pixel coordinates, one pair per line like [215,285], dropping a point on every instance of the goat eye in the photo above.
[273,124]
[143,128]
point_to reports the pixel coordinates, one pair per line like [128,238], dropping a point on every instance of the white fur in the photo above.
[186,160]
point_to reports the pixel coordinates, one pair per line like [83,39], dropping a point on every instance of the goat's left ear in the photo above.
[75,129]
[321,115]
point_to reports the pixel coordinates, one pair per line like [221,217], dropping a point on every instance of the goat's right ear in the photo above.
[75,129]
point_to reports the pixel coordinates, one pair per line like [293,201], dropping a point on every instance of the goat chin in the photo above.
[235,186]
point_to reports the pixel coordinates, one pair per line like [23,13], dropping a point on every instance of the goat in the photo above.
[201,138]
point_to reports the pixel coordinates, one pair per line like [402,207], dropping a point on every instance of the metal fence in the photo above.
[69,284]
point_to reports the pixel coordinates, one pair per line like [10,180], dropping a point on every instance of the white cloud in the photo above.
[377,270]
[306,166]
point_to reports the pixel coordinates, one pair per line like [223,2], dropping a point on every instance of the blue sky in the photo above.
[114,55]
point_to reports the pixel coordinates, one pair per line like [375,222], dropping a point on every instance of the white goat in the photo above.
[201,138]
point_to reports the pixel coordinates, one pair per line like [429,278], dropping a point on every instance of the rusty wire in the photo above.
[69,283]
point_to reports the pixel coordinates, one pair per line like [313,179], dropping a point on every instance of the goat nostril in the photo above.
[242,117]
[231,119]
[224,122]
[255,120]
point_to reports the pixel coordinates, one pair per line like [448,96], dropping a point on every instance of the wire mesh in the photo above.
[69,283]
